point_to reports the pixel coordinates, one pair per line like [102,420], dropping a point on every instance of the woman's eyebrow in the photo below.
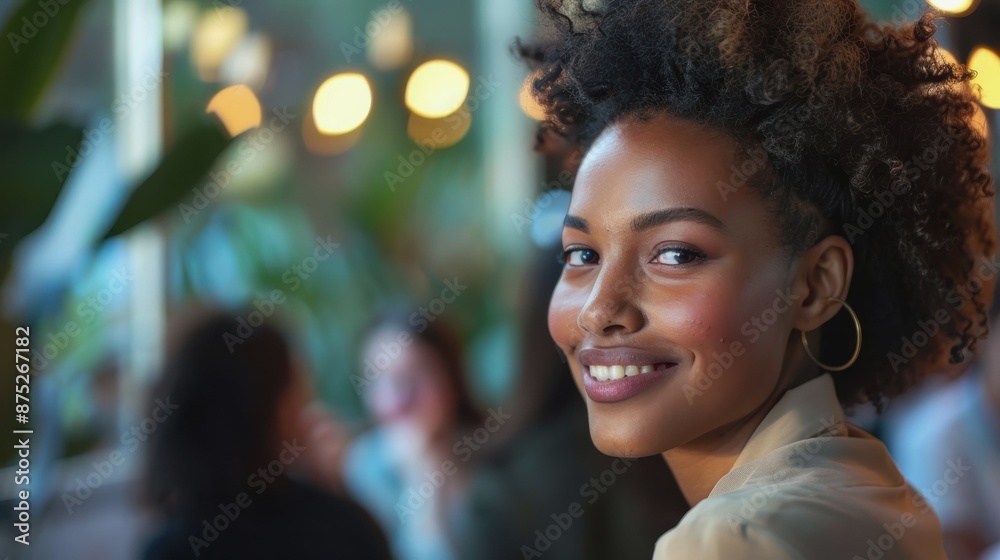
[667,215]
[576,222]
[656,218]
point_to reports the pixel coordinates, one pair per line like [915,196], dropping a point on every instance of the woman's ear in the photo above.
[824,271]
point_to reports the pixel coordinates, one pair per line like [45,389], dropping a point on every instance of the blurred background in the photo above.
[357,175]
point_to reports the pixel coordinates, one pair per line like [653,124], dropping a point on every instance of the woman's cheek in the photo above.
[564,310]
[757,334]
[703,320]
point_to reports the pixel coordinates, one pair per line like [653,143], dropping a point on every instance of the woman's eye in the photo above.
[676,256]
[579,257]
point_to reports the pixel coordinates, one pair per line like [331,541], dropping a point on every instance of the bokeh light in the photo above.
[218,32]
[392,46]
[986,63]
[342,103]
[326,144]
[248,62]
[179,20]
[439,133]
[237,107]
[437,88]
[528,103]
[953,7]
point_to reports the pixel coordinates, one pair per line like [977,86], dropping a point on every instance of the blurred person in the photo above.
[773,196]
[326,438]
[225,467]
[412,468]
[946,440]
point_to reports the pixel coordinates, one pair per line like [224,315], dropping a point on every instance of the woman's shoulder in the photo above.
[838,498]
[723,536]
[786,526]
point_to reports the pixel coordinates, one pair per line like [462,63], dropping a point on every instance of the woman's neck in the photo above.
[700,464]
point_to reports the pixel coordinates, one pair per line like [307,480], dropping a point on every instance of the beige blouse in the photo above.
[808,486]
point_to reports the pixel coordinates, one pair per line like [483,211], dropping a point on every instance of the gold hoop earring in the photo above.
[857,348]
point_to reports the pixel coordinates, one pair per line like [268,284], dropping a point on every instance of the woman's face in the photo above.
[673,265]
[412,393]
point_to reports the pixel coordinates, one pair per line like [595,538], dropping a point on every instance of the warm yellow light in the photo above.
[342,103]
[986,63]
[437,89]
[326,144]
[218,32]
[237,107]
[952,6]
[528,103]
[439,133]
[392,46]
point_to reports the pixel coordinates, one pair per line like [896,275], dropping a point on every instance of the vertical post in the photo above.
[511,170]
[138,54]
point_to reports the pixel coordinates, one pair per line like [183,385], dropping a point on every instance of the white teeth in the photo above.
[606,373]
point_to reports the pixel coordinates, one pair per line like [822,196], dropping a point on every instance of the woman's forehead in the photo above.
[656,160]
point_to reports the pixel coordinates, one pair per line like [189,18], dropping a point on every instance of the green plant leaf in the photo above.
[34,167]
[31,56]
[187,162]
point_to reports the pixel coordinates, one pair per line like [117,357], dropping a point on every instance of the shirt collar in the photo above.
[806,411]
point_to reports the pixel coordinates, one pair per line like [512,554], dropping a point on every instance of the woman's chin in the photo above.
[624,446]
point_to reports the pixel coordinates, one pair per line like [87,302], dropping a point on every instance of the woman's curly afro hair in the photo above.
[862,130]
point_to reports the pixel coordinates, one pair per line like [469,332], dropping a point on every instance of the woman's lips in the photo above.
[616,374]
[620,389]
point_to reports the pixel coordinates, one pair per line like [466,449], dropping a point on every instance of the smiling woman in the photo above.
[722,297]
